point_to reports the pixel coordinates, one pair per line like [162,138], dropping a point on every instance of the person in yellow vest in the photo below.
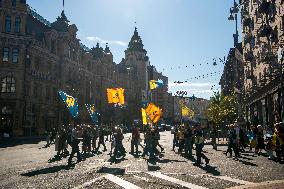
[199,144]
[278,141]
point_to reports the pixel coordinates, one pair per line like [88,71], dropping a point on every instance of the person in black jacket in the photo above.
[188,141]
[75,145]
[199,144]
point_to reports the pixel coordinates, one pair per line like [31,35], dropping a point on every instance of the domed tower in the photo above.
[136,58]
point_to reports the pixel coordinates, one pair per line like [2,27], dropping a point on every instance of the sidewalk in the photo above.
[277,184]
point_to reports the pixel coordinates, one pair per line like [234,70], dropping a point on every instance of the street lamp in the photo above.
[235,10]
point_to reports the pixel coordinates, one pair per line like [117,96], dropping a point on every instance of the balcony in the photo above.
[249,56]
[247,22]
[264,31]
[264,7]
[247,38]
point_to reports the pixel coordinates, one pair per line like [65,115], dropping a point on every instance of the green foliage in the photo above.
[222,108]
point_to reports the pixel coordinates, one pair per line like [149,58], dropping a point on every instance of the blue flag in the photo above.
[92,111]
[71,103]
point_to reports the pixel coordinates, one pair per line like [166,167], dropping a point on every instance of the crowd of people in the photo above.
[92,137]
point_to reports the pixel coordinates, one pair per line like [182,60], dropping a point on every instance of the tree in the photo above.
[221,109]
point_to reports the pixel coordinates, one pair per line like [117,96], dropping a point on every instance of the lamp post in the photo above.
[235,10]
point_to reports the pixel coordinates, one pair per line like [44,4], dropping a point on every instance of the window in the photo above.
[17,24]
[8,24]
[8,85]
[15,58]
[35,90]
[0,3]
[14,3]
[5,54]
[47,94]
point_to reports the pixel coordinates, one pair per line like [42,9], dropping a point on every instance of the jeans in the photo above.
[188,146]
[199,153]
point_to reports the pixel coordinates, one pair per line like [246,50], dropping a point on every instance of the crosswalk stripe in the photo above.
[176,181]
[232,179]
[88,183]
[121,182]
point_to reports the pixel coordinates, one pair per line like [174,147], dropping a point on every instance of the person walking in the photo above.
[188,141]
[135,140]
[232,142]
[199,144]
[94,136]
[119,148]
[260,140]
[181,139]
[101,140]
[75,145]
[278,141]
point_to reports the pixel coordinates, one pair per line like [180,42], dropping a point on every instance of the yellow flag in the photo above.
[153,84]
[186,112]
[154,112]
[144,117]
[120,92]
[115,96]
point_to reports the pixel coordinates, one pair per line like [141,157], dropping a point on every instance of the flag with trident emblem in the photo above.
[154,112]
[93,113]
[71,103]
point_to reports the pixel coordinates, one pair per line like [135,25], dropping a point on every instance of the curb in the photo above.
[276,184]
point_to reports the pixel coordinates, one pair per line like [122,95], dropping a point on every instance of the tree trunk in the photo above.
[214,136]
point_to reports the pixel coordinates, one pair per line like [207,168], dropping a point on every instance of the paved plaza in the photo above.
[28,166]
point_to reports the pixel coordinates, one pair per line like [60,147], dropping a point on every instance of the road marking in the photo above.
[176,181]
[231,179]
[88,183]
[132,172]
[121,182]
[266,184]
[141,178]
[128,165]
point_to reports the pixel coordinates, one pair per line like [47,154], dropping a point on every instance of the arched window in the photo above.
[8,85]
[8,24]
[17,24]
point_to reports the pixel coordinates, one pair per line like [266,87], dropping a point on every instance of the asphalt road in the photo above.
[26,165]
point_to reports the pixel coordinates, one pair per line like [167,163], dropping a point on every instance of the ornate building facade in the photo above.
[263,42]
[38,58]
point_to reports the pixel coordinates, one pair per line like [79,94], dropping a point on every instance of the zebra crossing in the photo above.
[140,179]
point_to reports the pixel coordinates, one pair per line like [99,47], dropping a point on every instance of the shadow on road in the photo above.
[114,171]
[15,142]
[246,162]
[210,169]
[47,170]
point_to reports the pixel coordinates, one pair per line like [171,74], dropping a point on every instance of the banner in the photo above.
[92,111]
[71,103]
[154,112]
[115,96]
[144,116]
[186,112]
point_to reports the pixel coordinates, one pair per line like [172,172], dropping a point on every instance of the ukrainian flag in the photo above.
[92,111]
[156,83]
[71,103]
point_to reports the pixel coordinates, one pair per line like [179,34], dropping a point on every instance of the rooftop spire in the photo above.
[136,42]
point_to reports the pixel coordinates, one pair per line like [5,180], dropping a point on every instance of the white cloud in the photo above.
[202,90]
[100,40]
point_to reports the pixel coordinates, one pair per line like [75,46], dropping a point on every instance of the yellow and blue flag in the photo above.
[71,103]
[156,83]
[93,113]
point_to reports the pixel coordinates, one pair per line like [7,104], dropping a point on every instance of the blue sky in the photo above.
[177,34]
